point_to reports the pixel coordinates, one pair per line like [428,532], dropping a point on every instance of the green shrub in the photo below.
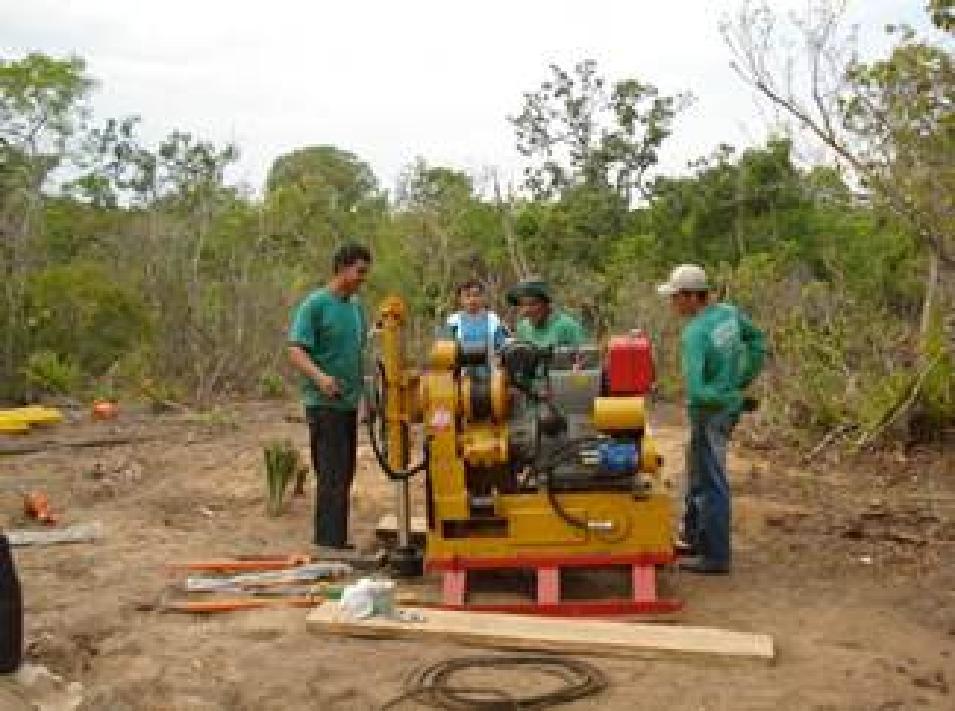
[52,373]
[83,310]
[272,385]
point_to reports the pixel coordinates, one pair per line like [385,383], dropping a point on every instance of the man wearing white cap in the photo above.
[721,353]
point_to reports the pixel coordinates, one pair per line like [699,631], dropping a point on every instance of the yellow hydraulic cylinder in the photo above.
[614,414]
[391,320]
[391,343]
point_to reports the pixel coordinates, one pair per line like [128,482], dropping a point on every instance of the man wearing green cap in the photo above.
[541,324]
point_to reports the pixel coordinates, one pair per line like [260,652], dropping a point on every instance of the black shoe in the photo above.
[702,566]
[684,549]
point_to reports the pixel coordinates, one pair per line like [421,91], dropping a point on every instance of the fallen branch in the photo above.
[902,405]
[46,445]
[830,437]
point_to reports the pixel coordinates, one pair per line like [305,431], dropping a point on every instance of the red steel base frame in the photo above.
[643,600]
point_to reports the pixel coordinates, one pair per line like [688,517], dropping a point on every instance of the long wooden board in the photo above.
[506,631]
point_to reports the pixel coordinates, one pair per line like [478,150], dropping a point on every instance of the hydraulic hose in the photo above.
[381,451]
[563,453]
[434,685]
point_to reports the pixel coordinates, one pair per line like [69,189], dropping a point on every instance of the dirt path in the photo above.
[853,573]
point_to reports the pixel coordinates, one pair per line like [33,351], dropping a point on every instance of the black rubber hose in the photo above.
[572,521]
[432,685]
[381,453]
[562,453]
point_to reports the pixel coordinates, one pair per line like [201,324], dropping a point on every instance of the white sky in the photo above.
[394,80]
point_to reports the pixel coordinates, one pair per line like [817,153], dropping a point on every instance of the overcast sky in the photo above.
[394,80]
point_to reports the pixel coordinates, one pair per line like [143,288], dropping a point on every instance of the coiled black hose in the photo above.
[381,453]
[432,685]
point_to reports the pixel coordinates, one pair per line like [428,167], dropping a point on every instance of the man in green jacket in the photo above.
[326,340]
[541,324]
[721,353]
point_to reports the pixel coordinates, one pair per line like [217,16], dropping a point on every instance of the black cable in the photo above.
[561,512]
[565,451]
[432,685]
[380,452]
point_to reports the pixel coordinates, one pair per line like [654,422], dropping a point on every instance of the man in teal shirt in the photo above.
[541,324]
[721,353]
[326,339]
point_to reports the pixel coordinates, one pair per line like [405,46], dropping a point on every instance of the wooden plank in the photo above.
[79,533]
[388,525]
[387,528]
[574,636]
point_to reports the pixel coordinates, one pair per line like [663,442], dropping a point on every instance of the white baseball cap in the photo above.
[686,277]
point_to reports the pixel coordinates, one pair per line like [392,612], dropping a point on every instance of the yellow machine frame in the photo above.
[619,523]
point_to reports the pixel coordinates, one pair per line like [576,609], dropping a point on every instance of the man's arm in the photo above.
[692,354]
[574,334]
[754,342]
[304,364]
[301,337]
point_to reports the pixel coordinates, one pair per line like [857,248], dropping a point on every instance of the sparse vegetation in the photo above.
[147,266]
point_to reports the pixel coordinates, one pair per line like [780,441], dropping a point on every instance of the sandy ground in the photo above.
[851,568]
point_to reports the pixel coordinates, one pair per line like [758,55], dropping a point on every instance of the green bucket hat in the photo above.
[531,287]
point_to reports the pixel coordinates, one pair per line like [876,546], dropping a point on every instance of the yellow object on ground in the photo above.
[20,419]
[13,427]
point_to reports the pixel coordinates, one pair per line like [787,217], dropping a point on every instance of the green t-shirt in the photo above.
[560,329]
[333,332]
[721,353]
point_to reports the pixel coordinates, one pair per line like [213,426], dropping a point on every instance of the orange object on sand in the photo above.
[226,565]
[105,410]
[36,505]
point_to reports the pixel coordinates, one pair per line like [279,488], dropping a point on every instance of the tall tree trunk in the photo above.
[928,305]
[514,251]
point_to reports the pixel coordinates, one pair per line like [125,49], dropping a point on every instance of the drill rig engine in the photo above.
[537,452]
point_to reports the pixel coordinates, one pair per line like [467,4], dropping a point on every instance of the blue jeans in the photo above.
[708,510]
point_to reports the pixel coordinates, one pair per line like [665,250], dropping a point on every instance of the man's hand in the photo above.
[328,385]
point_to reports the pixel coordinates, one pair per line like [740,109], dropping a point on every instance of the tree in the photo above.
[42,105]
[448,234]
[889,122]
[115,167]
[321,195]
[943,14]
[578,131]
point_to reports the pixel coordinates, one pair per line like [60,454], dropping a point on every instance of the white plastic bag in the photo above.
[368,598]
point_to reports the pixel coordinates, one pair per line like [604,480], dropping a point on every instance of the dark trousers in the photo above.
[333,437]
[11,611]
[708,508]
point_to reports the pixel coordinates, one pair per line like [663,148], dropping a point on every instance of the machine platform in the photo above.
[549,601]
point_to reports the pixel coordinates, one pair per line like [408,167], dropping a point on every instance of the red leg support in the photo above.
[454,587]
[548,586]
[644,583]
